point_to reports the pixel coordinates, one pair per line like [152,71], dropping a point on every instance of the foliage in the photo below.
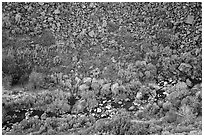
[150,43]
[7,82]
[36,80]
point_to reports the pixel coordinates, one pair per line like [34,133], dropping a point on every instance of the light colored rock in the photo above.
[120,102]
[184,67]
[87,80]
[57,11]
[98,110]
[108,107]
[95,85]
[154,86]
[77,79]
[68,83]
[190,19]
[106,88]
[83,87]
[65,76]
[103,115]
[147,74]
[79,106]
[36,116]
[50,19]
[18,17]
[115,88]
[139,95]
[109,101]
[141,74]
[41,3]
[131,108]
[181,85]
[104,101]
[99,81]
[91,33]
[189,83]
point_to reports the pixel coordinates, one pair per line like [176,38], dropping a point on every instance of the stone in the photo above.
[104,101]
[109,101]
[171,117]
[106,88]
[190,19]
[57,11]
[189,83]
[181,86]
[65,76]
[91,33]
[98,110]
[184,67]
[141,74]
[43,116]
[147,74]
[36,116]
[77,80]
[127,99]
[50,19]
[95,86]
[79,106]
[67,83]
[100,82]
[18,18]
[103,115]
[87,80]
[41,3]
[139,95]
[120,102]
[115,88]
[108,107]
[83,87]
[154,86]
[131,108]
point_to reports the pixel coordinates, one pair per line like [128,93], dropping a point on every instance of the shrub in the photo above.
[7,81]
[36,80]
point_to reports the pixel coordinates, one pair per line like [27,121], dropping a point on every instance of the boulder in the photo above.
[68,83]
[190,19]
[184,67]
[96,85]
[120,102]
[79,106]
[115,88]
[98,110]
[83,87]
[106,89]
[189,83]
[87,80]
[139,95]
[131,108]
[77,80]
[108,107]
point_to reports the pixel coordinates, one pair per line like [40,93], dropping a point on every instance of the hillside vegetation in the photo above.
[101,68]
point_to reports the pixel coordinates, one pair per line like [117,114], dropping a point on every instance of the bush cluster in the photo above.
[58,44]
